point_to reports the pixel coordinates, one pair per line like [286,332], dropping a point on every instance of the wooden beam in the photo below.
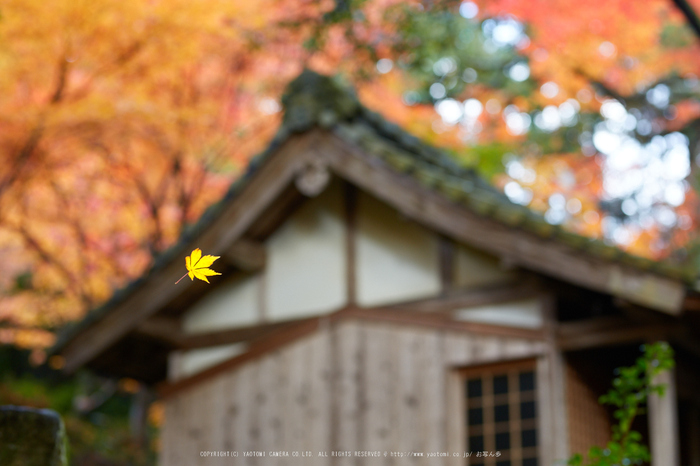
[289,332]
[169,331]
[272,178]
[605,332]
[438,321]
[276,213]
[492,294]
[165,329]
[418,313]
[274,340]
[230,336]
[641,315]
[246,255]
[692,303]
[526,249]
[592,325]
[395,314]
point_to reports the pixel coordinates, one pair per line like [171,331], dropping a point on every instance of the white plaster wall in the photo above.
[524,314]
[306,271]
[474,268]
[397,260]
[182,364]
[232,304]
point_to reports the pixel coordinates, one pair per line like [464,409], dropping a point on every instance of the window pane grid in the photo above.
[501,416]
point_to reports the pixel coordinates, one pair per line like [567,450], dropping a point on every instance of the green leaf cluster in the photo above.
[629,394]
[439,46]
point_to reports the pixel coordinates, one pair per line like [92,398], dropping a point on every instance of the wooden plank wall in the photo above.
[353,385]
[589,422]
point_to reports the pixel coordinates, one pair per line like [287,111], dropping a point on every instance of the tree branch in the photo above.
[690,16]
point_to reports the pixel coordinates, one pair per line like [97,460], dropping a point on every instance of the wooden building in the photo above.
[378,297]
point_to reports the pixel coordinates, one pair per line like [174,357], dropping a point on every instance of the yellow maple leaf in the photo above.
[198,266]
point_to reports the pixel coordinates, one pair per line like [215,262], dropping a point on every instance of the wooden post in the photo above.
[551,392]
[138,415]
[351,196]
[663,422]
[447,266]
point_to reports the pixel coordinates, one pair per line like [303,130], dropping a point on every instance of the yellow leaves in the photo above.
[198,265]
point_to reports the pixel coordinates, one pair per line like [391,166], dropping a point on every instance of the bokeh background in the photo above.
[121,121]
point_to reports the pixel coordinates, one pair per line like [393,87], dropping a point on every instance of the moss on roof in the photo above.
[327,102]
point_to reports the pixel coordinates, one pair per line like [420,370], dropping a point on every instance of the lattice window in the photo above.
[501,414]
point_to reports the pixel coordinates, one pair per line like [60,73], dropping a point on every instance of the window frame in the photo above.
[515,425]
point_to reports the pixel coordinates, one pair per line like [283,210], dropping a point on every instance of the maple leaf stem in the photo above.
[181,279]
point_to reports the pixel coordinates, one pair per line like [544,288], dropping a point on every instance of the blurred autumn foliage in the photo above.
[122,121]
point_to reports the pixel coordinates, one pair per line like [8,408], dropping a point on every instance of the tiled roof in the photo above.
[314,100]
[318,100]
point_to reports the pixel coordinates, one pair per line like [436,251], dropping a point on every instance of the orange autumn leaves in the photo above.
[198,266]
